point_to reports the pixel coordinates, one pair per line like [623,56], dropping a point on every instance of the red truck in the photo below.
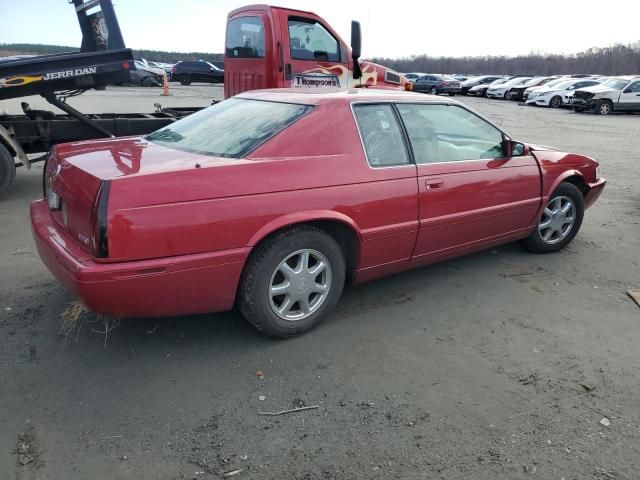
[274,47]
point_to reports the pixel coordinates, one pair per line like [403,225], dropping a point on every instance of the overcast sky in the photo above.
[393,29]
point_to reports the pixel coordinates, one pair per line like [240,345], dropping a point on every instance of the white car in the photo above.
[413,76]
[557,95]
[481,90]
[500,90]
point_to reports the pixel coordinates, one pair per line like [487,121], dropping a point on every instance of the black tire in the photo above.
[603,107]
[253,299]
[507,95]
[433,91]
[184,79]
[7,169]
[535,243]
[555,102]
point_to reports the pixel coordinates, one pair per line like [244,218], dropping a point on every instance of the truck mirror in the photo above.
[356,45]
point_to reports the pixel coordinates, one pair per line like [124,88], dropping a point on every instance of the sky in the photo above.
[389,29]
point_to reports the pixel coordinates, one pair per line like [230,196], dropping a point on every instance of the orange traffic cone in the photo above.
[165,85]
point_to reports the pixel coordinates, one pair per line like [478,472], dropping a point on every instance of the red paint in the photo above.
[178,236]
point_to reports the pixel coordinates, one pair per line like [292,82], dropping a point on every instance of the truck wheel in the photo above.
[184,79]
[7,169]
[292,281]
[559,222]
[555,102]
[433,91]
[603,107]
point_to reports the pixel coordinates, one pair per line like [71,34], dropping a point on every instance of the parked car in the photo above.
[616,94]
[500,90]
[437,84]
[145,76]
[481,90]
[517,92]
[200,71]
[266,215]
[556,81]
[555,95]
[413,76]
[475,81]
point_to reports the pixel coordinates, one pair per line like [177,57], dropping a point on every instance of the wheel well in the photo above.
[342,233]
[579,183]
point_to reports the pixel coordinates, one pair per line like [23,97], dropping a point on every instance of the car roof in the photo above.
[316,96]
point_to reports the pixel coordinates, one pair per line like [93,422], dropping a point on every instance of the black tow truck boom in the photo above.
[102,60]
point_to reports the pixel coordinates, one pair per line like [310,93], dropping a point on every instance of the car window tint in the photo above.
[381,135]
[309,40]
[448,133]
[232,128]
[245,38]
[633,88]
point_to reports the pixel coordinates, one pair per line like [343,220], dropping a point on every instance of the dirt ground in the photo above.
[498,365]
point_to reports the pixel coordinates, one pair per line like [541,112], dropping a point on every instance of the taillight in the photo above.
[444,84]
[173,69]
[408,86]
[99,242]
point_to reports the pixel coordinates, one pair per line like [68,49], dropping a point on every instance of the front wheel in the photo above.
[292,281]
[7,169]
[185,79]
[560,220]
[603,107]
[555,102]
[434,91]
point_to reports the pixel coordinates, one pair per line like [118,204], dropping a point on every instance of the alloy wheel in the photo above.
[557,220]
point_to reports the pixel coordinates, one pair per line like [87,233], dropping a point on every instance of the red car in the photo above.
[273,200]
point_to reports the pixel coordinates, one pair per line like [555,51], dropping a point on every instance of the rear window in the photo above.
[232,128]
[245,38]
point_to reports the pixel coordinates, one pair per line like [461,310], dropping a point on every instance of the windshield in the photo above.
[555,82]
[232,128]
[616,83]
[532,82]
[562,85]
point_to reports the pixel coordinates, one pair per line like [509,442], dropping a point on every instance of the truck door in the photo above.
[248,63]
[630,97]
[313,54]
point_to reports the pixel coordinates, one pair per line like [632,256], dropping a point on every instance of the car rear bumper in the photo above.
[595,189]
[161,287]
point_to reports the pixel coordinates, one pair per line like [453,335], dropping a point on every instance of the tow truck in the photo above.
[265,47]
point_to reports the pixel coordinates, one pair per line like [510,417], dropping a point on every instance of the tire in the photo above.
[555,102]
[507,95]
[184,79]
[265,268]
[433,91]
[7,169]
[565,194]
[603,107]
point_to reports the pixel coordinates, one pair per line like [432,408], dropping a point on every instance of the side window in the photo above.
[245,38]
[381,135]
[633,88]
[442,133]
[309,40]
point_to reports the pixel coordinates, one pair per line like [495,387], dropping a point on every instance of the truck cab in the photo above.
[274,47]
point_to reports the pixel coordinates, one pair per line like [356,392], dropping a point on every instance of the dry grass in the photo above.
[72,321]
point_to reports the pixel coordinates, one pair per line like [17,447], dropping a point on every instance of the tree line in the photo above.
[153,55]
[614,60]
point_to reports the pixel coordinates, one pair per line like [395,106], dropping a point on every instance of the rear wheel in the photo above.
[603,107]
[7,169]
[555,102]
[292,281]
[184,79]
[559,222]
[433,91]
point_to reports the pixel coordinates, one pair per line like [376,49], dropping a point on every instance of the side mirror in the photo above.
[517,149]
[356,46]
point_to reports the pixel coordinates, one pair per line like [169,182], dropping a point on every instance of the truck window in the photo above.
[309,40]
[245,38]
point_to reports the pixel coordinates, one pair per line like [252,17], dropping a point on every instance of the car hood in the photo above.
[597,89]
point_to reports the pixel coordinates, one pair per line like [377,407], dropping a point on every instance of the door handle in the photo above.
[433,184]
[287,71]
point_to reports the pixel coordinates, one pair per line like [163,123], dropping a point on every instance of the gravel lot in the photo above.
[498,365]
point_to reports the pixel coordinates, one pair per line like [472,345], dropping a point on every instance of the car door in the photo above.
[470,192]
[313,55]
[630,96]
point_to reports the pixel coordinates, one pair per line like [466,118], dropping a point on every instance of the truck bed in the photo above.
[45,74]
